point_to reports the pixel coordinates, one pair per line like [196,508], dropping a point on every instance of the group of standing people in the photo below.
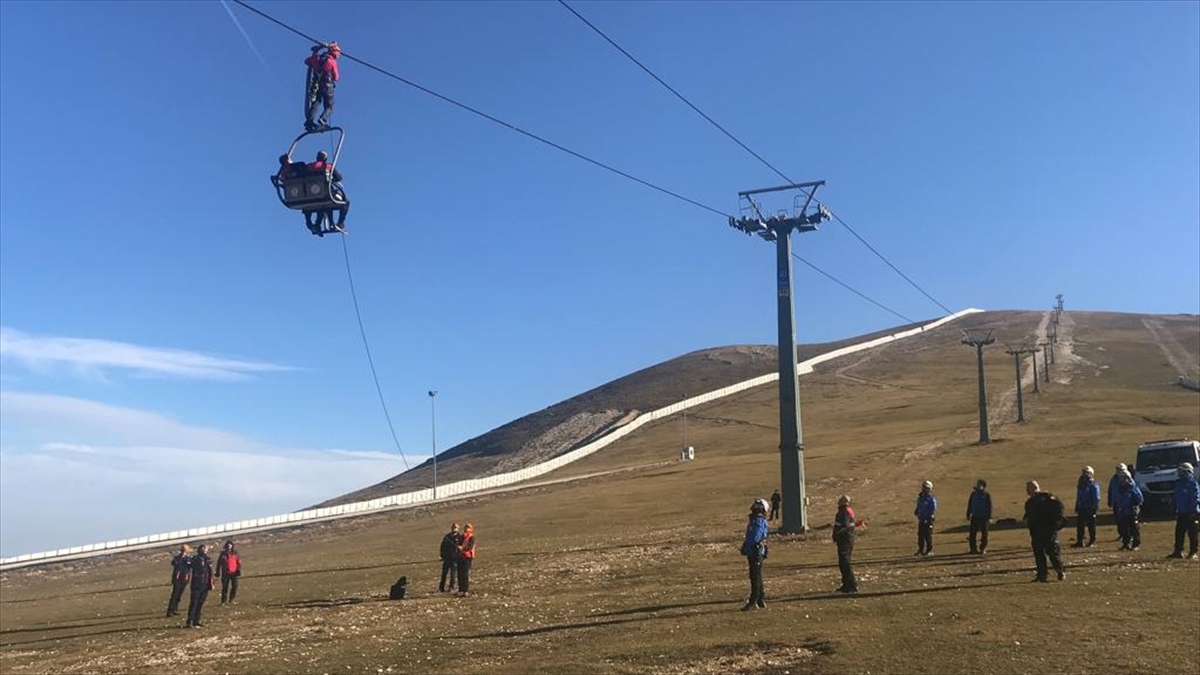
[458,554]
[194,570]
[1044,516]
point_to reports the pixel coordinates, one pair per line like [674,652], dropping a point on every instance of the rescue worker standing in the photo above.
[202,583]
[1128,501]
[449,555]
[979,513]
[925,512]
[229,570]
[181,574]
[466,557]
[1187,511]
[754,547]
[1044,517]
[843,536]
[776,500]
[1087,502]
[1114,486]
[324,77]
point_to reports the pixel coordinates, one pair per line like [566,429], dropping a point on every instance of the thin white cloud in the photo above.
[96,357]
[74,471]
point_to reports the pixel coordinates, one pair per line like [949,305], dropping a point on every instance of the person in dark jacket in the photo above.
[1187,511]
[1087,502]
[979,514]
[843,535]
[1129,507]
[229,570]
[925,512]
[325,221]
[466,558]
[754,547]
[323,70]
[776,499]
[181,574]
[202,583]
[1114,486]
[1044,517]
[449,555]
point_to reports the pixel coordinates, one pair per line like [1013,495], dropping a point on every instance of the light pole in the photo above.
[433,424]
[778,229]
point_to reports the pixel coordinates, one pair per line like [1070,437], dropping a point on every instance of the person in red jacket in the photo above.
[323,77]
[466,556]
[229,570]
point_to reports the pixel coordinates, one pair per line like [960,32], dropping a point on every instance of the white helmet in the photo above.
[928,485]
[1186,467]
[1089,471]
[844,499]
[1122,467]
[760,504]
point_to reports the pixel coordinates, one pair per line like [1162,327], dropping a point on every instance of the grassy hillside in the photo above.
[636,570]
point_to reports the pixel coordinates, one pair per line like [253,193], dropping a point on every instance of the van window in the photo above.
[1167,457]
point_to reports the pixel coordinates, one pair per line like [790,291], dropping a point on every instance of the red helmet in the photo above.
[334,49]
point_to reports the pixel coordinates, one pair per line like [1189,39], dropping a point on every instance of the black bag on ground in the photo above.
[399,589]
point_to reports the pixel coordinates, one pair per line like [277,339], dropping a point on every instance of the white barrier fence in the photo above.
[452,489]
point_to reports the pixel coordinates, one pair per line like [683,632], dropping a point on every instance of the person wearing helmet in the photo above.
[1044,517]
[1128,502]
[322,222]
[843,536]
[925,512]
[322,79]
[1187,510]
[979,514]
[1114,486]
[754,547]
[1087,502]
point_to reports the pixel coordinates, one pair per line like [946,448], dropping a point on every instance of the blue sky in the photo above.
[179,351]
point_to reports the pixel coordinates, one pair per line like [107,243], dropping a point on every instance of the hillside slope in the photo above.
[563,426]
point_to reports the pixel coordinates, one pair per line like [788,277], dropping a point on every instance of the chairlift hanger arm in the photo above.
[811,184]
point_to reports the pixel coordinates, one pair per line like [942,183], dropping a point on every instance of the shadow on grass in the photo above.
[166,589]
[321,603]
[540,630]
[963,558]
[115,631]
[358,568]
[103,621]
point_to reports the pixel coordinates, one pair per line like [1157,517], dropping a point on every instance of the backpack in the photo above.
[399,589]
[1058,516]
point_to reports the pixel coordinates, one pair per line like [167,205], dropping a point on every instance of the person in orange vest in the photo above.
[466,556]
[229,570]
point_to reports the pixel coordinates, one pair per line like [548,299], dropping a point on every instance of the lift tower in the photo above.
[979,344]
[778,228]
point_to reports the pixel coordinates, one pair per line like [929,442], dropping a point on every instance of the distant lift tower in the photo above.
[1016,354]
[778,228]
[978,344]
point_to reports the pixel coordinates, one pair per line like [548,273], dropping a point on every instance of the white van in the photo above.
[1157,462]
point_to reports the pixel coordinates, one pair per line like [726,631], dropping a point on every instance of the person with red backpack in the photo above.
[843,535]
[466,556]
[322,80]
[229,570]
[181,574]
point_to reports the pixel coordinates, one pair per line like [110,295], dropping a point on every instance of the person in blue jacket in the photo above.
[1187,511]
[1087,502]
[979,513]
[925,512]
[1128,502]
[754,547]
[1114,486]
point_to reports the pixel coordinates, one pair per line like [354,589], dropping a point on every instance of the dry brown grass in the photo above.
[637,572]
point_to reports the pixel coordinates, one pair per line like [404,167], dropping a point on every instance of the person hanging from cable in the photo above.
[322,80]
[321,222]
